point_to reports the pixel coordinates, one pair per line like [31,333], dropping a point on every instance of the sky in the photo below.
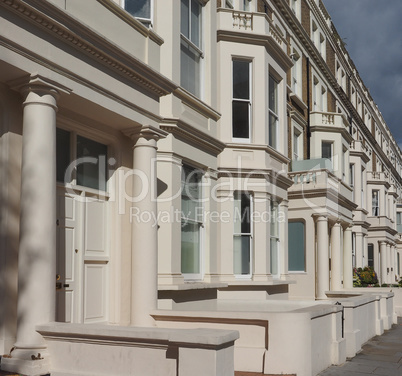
[372,31]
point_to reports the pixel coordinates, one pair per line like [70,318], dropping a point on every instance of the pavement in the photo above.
[382,355]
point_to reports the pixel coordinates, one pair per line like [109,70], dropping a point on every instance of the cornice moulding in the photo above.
[66,28]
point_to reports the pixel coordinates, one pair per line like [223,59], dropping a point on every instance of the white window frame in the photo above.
[196,49]
[297,142]
[200,222]
[352,179]
[250,234]
[249,101]
[276,237]
[363,184]
[344,163]
[296,71]
[295,6]
[375,209]
[332,150]
[274,113]
[147,21]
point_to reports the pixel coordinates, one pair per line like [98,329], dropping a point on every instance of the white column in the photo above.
[144,244]
[389,280]
[336,257]
[283,254]
[37,249]
[347,259]
[359,250]
[393,264]
[383,256]
[261,269]
[322,256]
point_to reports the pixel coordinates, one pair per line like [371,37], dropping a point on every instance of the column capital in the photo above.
[148,132]
[320,217]
[41,86]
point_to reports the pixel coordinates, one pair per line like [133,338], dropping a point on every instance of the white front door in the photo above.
[82,257]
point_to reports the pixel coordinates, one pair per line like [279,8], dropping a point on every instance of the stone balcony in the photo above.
[357,148]
[257,24]
[382,223]
[374,177]
[316,174]
[329,119]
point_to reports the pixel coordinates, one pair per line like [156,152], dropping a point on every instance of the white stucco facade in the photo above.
[186,186]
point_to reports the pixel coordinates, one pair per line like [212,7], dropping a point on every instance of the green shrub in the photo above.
[364,277]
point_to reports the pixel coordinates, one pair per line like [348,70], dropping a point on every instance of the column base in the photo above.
[27,362]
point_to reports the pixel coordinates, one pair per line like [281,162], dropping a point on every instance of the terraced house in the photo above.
[187,186]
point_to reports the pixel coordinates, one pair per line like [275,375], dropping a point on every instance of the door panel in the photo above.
[68,259]
[95,287]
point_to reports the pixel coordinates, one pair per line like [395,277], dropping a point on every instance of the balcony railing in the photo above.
[318,179]
[254,23]
[375,176]
[312,164]
[329,119]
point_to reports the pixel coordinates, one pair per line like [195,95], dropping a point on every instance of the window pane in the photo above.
[273,95]
[274,256]
[241,79]
[191,193]
[370,255]
[190,69]
[326,150]
[190,248]
[138,8]
[195,22]
[62,153]
[240,119]
[273,128]
[274,220]
[185,25]
[242,213]
[91,172]
[296,246]
[241,254]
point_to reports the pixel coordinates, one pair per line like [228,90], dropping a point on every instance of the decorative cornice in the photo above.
[196,104]
[53,21]
[192,136]
[260,40]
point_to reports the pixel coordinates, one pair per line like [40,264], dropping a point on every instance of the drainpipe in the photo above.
[308,108]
